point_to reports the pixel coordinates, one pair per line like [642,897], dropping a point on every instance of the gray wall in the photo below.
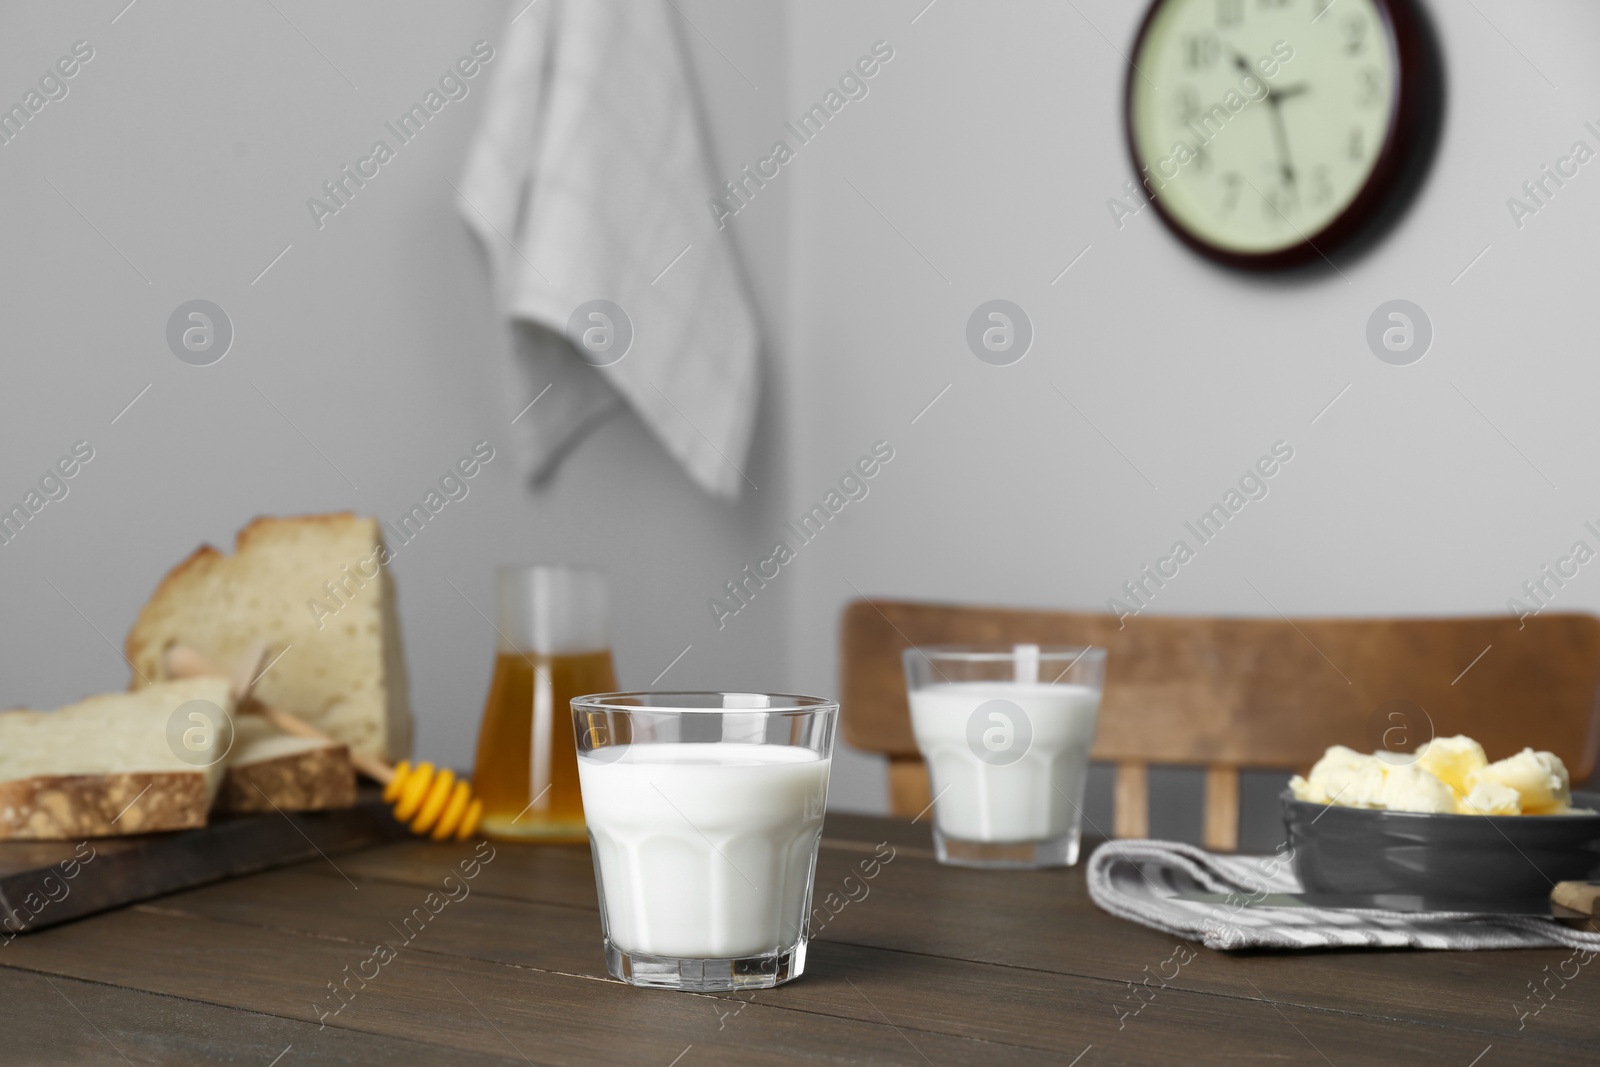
[981,160]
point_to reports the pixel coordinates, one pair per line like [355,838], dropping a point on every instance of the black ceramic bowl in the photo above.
[1455,861]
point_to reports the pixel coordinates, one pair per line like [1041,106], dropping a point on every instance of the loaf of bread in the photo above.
[122,763]
[268,770]
[317,589]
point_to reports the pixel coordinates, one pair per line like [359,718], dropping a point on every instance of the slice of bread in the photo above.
[110,765]
[316,588]
[269,770]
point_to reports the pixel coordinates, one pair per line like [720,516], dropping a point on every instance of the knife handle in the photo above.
[1576,903]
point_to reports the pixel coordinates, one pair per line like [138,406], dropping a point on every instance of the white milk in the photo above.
[705,850]
[1033,799]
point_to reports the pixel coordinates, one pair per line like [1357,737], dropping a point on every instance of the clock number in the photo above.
[1279,203]
[1322,187]
[1354,148]
[1231,181]
[1188,104]
[1355,35]
[1201,50]
[1371,88]
[1229,13]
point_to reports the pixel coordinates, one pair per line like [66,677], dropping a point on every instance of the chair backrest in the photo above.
[1231,693]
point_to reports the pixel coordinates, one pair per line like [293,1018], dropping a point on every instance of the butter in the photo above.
[1360,786]
[1410,788]
[1448,775]
[1540,779]
[1344,776]
[1452,760]
[1491,798]
[1336,761]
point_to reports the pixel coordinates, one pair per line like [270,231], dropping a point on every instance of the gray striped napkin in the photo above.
[1137,880]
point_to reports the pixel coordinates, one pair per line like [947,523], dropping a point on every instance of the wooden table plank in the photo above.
[571,1019]
[917,906]
[77,1023]
[560,940]
[461,1002]
[926,963]
[916,992]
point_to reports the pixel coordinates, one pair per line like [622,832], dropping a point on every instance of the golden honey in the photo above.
[526,771]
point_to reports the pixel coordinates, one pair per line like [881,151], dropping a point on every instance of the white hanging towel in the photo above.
[589,180]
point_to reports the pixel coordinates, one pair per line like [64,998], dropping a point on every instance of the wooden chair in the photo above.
[1228,694]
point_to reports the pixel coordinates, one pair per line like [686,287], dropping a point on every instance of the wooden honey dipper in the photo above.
[431,802]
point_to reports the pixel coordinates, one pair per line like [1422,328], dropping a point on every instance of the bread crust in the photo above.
[134,647]
[196,565]
[76,806]
[261,523]
[313,780]
[213,602]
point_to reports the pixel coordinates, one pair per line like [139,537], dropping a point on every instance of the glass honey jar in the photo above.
[554,645]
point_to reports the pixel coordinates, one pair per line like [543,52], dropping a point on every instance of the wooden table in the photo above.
[921,964]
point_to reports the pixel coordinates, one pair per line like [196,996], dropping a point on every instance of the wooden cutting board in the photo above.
[43,883]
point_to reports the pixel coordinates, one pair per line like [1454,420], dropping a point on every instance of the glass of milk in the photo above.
[1006,733]
[704,811]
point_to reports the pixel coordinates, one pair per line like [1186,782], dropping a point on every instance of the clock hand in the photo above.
[1273,99]
[1276,99]
[1287,91]
[1282,134]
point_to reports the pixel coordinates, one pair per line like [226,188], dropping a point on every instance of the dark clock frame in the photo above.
[1402,164]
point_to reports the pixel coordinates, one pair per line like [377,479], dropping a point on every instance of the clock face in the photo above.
[1258,125]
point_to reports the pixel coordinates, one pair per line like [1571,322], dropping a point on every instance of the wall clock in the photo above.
[1271,133]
